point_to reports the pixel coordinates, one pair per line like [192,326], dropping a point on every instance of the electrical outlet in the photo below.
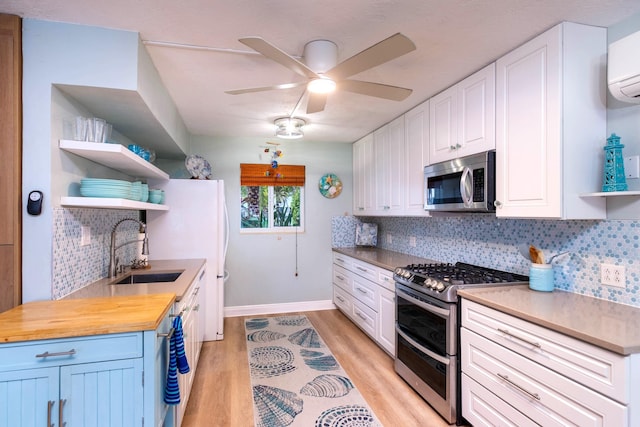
[613,275]
[412,241]
[85,235]
[389,238]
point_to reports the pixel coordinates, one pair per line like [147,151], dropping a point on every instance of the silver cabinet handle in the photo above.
[519,387]
[60,353]
[360,315]
[362,269]
[362,291]
[339,277]
[339,298]
[49,409]
[196,308]
[452,147]
[196,290]
[168,335]
[535,344]
[61,423]
[339,259]
[497,203]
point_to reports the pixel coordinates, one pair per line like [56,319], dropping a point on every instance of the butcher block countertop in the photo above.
[382,258]
[40,320]
[606,324]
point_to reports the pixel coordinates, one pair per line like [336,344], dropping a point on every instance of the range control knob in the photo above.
[440,287]
[398,271]
[406,274]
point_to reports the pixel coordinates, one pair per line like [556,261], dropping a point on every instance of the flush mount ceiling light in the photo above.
[289,127]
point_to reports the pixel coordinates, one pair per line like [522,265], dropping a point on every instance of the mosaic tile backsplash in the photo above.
[493,242]
[75,266]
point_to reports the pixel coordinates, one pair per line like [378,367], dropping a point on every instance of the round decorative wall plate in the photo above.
[198,167]
[330,185]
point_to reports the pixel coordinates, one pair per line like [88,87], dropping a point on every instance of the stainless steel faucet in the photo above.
[113,261]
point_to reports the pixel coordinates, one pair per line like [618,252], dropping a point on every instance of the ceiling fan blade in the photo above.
[316,102]
[386,50]
[270,51]
[262,89]
[378,90]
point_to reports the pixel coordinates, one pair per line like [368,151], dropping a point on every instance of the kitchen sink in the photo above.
[149,278]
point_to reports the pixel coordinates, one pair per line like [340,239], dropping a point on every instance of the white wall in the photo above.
[262,267]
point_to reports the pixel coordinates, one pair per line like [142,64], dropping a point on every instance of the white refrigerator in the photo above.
[195,226]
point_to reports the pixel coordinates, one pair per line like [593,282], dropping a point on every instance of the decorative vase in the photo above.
[614,179]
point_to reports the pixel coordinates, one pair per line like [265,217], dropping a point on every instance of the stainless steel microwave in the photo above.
[466,184]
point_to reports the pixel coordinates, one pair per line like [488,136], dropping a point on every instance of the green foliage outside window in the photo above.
[270,207]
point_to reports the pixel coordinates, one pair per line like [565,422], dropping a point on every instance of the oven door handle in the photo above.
[432,308]
[426,351]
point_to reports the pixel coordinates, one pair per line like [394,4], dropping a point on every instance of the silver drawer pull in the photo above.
[339,277]
[339,298]
[360,315]
[522,389]
[196,308]
[362,269]
[362,291]
[535,344]
[168,335]
[60,353]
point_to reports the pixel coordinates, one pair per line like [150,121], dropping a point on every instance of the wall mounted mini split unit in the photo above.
[624,68]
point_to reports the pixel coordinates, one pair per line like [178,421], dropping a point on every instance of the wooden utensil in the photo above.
[537,257]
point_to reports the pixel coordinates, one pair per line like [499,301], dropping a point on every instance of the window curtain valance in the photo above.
[253,174]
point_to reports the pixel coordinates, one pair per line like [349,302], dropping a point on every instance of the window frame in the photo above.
[271,229]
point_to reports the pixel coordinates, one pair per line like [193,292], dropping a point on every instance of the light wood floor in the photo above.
[221,393]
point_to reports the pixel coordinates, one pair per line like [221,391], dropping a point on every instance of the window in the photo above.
[271,199]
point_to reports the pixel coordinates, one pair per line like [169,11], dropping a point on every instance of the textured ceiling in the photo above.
[454,38]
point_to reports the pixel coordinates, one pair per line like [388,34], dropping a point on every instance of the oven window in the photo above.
[426,328]
[432,372]
[444,189]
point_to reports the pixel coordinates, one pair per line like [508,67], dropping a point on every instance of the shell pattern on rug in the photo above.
[270,361]
[275,407]
[346,416]
[292,320]
[311,353]
[307,338]
[327,385]
[264,336]
[257,323]
[322,363]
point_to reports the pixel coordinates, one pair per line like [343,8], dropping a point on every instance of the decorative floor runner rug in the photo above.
[296,380]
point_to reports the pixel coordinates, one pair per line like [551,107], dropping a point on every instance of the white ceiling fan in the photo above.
[324,73]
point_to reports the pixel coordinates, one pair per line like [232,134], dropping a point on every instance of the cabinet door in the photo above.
[443,126]
[382,169]
[397,165]
[29,398]
[386,321]
[528,120]
[416,124]
[476,112]
[363,176]
[102,394]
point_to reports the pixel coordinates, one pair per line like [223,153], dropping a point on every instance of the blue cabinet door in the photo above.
[29,398]
[108,394]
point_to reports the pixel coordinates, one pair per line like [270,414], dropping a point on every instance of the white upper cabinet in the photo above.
[363,177]
[551,125]
[416,130]
[462,118]
[389,152]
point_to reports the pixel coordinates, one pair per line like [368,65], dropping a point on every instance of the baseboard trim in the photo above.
[252,310]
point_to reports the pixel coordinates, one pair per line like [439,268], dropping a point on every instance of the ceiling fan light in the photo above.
[321,85]
[289,127]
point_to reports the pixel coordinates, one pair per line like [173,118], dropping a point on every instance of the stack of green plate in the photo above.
[112,188]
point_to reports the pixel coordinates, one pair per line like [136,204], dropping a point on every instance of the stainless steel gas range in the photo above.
[427,327]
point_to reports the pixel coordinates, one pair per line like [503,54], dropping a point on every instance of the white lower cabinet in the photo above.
[365,293]
[519,373]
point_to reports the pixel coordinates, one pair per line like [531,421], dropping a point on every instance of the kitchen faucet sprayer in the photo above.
[113,261]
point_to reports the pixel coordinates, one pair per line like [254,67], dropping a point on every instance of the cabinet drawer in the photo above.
[32,354]
[587,364]
[385,279]
[342,278]
[343,260]
[342,300]
[544,396]
[364,317]
[482,408]
[365,270]
[366,292]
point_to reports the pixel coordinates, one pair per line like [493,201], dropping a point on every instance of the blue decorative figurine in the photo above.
[614,179]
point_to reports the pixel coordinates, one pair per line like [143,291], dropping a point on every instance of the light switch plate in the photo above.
[85,236]
[632,167]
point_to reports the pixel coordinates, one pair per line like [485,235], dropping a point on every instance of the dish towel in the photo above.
[177,363]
